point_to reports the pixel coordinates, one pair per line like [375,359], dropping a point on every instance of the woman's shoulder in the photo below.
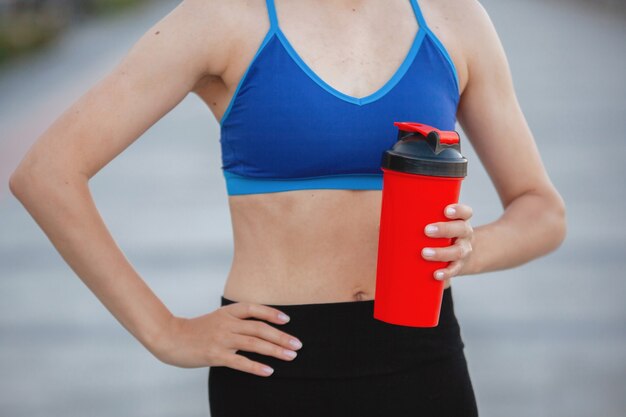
[207,31]
[459,15]
[464,27]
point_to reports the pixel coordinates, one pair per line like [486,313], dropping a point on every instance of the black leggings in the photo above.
[352,364]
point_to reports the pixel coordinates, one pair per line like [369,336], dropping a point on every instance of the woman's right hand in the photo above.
[213,339]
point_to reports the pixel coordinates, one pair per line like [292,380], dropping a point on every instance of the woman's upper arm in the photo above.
[158,71]
[490,114]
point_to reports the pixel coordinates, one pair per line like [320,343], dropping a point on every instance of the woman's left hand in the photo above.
[462,235]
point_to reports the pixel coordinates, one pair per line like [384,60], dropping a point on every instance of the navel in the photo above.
[360,296]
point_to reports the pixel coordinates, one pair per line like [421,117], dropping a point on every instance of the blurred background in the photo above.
[547,338]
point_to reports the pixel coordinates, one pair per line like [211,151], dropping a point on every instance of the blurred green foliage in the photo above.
[26,25]
[106,6]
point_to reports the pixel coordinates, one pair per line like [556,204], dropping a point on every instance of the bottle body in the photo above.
[406,291]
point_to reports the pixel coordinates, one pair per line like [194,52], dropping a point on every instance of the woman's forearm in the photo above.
[63,207]
[531,226]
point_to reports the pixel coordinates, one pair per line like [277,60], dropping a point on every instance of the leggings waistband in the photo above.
[343,339]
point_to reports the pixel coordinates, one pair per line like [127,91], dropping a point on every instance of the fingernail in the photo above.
[283,317]
[438,274]
[428,252]
[290,353]
[450,211]
[431,229]
[268,370]
[295,343]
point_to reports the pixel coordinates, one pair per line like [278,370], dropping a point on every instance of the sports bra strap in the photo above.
[271,10]
[418,13]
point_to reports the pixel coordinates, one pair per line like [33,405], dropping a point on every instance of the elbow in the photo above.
[16,183]
[23,178]
[29,178]
[30,181]
[557,219]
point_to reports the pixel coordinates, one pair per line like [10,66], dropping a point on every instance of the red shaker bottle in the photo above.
[422,174]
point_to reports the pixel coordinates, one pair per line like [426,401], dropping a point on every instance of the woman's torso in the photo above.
[319,245]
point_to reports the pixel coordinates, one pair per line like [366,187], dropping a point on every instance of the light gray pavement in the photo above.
[545,339]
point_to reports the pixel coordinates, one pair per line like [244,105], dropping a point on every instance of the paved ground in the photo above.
[544,339]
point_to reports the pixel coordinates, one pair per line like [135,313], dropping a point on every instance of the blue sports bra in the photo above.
[287,129]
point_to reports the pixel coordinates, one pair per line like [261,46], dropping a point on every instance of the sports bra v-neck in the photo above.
[285,128]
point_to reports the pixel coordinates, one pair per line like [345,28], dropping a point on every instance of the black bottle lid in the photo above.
[425,150]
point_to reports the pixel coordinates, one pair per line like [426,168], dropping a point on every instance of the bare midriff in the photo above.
[304,246]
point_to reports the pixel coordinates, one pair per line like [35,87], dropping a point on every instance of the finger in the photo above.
[450,271]
[459,250]
[244,364]
[245,309]
[255,344]
[458,211]
[452,228]
[267,332]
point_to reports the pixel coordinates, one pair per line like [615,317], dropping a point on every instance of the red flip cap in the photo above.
[445,136]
